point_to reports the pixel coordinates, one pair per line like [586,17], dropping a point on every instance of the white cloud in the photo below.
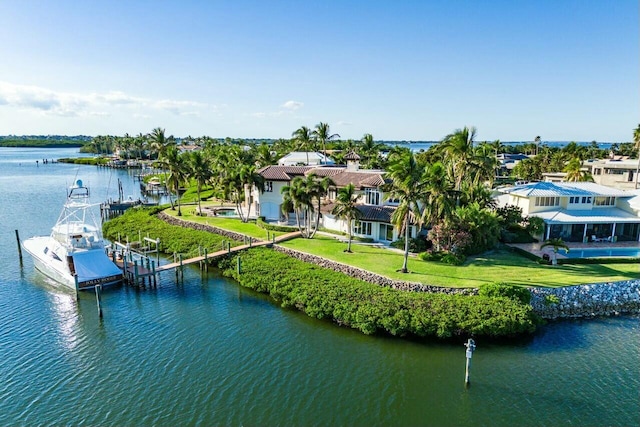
[69,104]
[293,105]
[343,123]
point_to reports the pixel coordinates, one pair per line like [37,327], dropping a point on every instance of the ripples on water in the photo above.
[210,353]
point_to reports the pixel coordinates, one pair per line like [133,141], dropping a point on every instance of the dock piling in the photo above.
[98,289]
[19,247]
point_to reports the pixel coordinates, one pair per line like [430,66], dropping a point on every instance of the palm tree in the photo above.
[407,186]
[265,156]
[346,208]
[245,178]
[199,170]
[296,197]
[636,145]
[317,188]
[440,196]
[158,142]
[575,173]
[322,135]
[557,245]
[537,142]
[302,136]
[173,161]
[370,151]
[458,149]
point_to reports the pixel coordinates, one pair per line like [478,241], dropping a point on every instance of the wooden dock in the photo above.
[141,270]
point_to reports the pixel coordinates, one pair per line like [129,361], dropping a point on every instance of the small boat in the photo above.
[74,254]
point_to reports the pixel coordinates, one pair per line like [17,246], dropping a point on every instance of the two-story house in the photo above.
[375,222]
[577,211]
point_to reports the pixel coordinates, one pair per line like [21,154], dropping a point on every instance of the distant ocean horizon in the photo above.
[424,145]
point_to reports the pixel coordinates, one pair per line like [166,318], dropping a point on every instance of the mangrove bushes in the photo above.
[326,294]
[173,239]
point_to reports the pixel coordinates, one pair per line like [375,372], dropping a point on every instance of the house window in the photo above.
[372,196]
[604,201]
[573,200]
[386,232]
[586,200]
[547,201]
[362,228]
[268,186]
[332,194]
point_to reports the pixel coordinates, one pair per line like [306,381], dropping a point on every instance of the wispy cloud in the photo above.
[70,104]
[293,105]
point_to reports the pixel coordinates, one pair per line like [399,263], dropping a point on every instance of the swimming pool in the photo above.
[602,252]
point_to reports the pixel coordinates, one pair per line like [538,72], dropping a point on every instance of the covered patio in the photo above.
[591,226]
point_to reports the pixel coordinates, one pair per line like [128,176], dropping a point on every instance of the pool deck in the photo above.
[534,248]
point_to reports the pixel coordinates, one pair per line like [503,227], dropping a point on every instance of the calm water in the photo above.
[211,353]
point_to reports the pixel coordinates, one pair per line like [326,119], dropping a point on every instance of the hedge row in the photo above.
[326,294]
[173,239]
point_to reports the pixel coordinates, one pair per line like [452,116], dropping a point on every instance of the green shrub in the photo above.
[495,290]
[453,259]
[416,245]
[326,294]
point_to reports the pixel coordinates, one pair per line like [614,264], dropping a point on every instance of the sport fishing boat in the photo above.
[74,254]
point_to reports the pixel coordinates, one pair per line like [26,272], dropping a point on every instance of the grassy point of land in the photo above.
[499,265]
[228,223]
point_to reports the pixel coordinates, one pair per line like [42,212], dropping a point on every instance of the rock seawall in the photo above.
[201,227]
[598,299]
[368,276]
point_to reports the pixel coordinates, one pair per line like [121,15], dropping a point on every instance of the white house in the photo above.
[577,211]
[376,219]
[303,158]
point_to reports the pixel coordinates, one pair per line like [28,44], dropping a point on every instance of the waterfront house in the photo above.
[577,211]
[375,223]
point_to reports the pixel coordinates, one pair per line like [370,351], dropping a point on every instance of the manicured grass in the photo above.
[232,224]
[495,266]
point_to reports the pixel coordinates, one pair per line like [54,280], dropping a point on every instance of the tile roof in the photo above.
[283,173]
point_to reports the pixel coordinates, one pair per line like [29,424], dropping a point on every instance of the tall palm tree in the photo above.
[302,137]
[537,142]
[297,198]
[370,151]
[322,134]
[245,178]
[439,195]
[158,142]
[458,149]
[265,156]
[557,244]
[346,208]
[406,186]
[173,161]
[636,145]
[317,188]
[200,171]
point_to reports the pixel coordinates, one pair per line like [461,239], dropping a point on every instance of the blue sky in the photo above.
[400,70]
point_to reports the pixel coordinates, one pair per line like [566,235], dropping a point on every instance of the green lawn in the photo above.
[496,266]
[228,223]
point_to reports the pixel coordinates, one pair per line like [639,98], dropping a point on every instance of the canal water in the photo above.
[211,353]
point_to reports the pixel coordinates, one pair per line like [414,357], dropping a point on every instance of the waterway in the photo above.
[209,352]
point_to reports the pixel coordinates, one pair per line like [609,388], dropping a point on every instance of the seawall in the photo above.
[597,299]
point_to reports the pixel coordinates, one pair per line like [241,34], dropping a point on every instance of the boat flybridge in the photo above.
[74,254]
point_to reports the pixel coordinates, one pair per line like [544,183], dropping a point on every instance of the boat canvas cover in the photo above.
[94,265]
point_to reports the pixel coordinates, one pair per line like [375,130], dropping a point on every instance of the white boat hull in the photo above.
[58,269]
